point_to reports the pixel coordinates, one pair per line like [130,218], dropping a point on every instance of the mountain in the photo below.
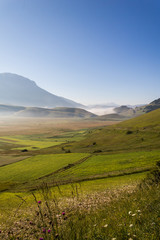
[125,111]
[59,112]
[149,107]
[18,90]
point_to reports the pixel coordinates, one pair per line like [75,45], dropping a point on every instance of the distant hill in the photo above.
[111,117]
[150,107]
[125,111]
[20,91]
[6,110]
[60,112]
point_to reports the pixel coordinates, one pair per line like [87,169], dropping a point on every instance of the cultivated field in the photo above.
[84,163]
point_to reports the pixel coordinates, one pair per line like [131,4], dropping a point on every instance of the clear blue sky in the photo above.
[91,51]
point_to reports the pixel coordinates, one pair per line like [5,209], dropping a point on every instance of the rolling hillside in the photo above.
[35,112]
[61,112]
[140,133]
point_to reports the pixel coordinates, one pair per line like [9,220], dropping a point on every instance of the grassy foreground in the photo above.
[125,214]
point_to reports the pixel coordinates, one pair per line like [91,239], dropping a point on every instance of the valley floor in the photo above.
[84,173]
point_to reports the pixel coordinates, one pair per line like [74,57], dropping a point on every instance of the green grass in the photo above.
[126,151]
[10,200]
[35,167]
[35,142]
[144,135]
[28,143]
[149,120]
[123,214]
[113,164]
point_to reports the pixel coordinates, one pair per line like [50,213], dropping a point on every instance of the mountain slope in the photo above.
[125,111]
[149,107]
[18,90]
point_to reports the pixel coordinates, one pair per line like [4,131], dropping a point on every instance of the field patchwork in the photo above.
[35,167]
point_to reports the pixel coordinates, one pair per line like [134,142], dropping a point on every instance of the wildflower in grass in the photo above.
[63,213]
[129,212]
[131,225]
[39,202]
[113,238]
[106,225]
[133,215]
[138,211]
[49,230]
[44,230]
[41,239]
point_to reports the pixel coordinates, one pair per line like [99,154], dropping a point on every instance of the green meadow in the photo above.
[111,164]
[90,166]
[28,143]
[36,167]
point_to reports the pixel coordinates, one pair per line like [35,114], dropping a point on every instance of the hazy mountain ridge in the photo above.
[150,107]
[129,111]
[60,112]
[21,91]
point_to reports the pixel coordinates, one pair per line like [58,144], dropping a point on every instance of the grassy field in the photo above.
[115,150]
[28,143]
[137,134]
[86,160]
[111,165]
[35,167]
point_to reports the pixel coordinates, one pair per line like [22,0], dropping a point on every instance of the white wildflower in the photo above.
[129,212]
[131,225]
[139,211]
[106,225]
[133,215]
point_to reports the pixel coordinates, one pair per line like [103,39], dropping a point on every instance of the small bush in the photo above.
[24,150]
[129,132]
[97,151]
[68,151]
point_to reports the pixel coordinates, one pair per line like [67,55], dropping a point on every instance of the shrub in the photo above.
[129,132]
[97,151]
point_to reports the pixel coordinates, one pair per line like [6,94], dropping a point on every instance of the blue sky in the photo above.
[91,51]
